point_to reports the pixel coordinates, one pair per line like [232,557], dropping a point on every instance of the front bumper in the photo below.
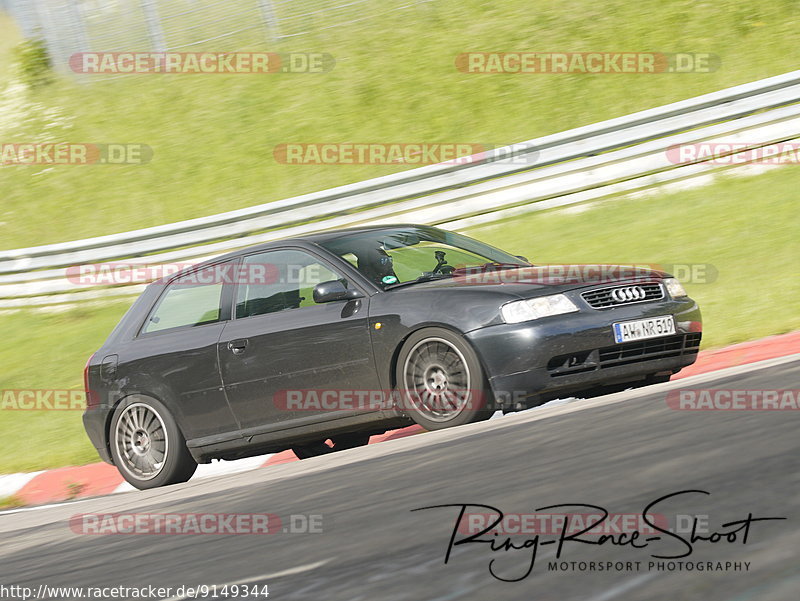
[573,353]
[95,422]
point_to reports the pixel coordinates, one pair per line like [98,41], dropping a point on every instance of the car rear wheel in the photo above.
[441,381]
[147,446]
[337,443]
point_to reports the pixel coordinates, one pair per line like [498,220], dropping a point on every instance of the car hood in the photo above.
[541,279]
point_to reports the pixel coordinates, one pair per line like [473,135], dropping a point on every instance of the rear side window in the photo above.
[193,300]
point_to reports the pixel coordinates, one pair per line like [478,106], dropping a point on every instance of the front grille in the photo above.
[624,354]
[602,298]
[644,350]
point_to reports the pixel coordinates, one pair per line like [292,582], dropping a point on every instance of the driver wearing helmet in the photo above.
[376,264]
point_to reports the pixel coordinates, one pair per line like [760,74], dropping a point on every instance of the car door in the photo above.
[281,344]
[174,355]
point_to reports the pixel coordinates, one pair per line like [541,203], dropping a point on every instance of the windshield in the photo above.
[398,256]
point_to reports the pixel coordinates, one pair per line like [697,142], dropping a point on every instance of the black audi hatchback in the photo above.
[316,343]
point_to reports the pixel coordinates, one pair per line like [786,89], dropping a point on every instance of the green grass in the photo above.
[11,502]
[394,81]
[56,349]
[747,228]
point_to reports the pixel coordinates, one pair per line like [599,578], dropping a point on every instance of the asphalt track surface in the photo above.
[620,452]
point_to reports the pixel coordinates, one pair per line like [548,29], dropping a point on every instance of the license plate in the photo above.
[642,329]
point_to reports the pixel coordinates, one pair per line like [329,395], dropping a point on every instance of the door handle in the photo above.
[237,347]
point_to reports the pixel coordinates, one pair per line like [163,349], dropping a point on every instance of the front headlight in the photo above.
[534,308]
[675,288]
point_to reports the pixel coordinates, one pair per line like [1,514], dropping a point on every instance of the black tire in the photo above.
[440,380]
[147,446]
[338,443]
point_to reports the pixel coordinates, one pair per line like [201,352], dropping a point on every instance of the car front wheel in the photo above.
[147,446]
[440,380]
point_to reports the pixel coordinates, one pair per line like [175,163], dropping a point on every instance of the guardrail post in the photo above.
[153,22]
[270,20]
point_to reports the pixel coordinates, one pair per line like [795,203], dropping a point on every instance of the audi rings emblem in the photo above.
[629,294]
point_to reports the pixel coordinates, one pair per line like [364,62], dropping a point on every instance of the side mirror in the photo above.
[335,290]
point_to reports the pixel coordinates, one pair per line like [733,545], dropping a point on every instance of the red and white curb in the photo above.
[95,479]
[78,482]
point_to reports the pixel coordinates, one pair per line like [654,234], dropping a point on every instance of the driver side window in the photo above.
[287,281]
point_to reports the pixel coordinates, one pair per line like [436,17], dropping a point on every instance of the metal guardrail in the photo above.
[593,161]
[71,26]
